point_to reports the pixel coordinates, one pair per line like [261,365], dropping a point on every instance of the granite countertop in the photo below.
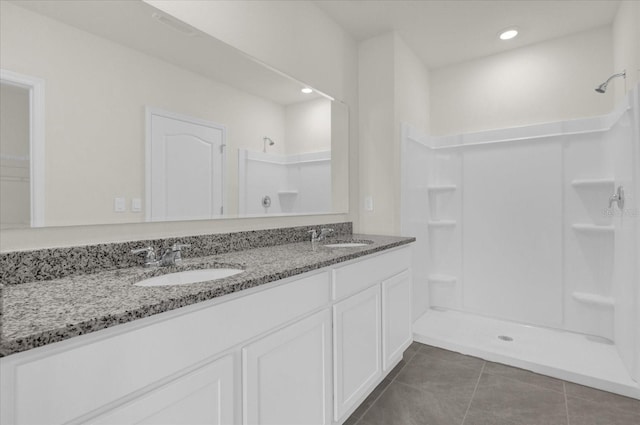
[43,312]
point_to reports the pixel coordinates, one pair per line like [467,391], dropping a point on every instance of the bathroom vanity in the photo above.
[302,336]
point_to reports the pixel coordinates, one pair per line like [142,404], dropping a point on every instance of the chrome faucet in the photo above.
[323,234]
[171,256]
[150,256]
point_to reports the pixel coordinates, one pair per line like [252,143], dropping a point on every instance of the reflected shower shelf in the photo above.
[441,278]
[442,188]
[593,299]
[442,223]
[595,183]
[593,228]
[288,192]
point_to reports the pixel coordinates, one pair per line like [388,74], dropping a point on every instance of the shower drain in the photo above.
[505,338]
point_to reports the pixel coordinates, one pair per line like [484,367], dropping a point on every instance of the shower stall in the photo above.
[524,255]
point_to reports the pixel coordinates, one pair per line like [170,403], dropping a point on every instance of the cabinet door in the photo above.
[287,375]
[356,335]
[396,317]
[204,396]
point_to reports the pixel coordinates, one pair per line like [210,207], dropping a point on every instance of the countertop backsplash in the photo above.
[54,263]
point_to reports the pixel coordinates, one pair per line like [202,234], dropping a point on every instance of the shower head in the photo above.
[603,87]
[265,140]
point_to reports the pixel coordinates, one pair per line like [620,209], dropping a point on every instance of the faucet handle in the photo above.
[314,234]
[148,251]
[325,231]
[149,257]
[176,250]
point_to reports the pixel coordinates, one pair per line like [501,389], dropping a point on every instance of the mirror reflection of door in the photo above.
[185,167]
[15,198]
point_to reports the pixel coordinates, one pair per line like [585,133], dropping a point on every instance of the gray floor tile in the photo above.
[584,412]
[479,419]
[450,356]
[504,401]
[401,404]
[441,379]
[351,421]
[366,404]
[612,400]
[411,351]
[523,376]
[394,372]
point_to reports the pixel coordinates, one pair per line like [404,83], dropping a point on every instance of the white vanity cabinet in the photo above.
[287,375]
[303,350]
[204,396]
[396,318]
[357,334]
[371,324]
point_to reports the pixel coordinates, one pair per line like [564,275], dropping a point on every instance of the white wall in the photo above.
[394,89]
[412,88]
[377,109]
[626,46]
[294,37]
[545,82]
[308,126]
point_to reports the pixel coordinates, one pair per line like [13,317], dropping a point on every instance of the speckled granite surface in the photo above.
[46,264]
[42,312]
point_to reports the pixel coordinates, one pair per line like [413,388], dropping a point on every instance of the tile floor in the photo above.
[431,386]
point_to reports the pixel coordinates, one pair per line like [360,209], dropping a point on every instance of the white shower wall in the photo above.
[296,184]
[514,224]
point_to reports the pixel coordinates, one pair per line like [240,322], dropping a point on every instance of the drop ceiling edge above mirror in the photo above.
[340,202]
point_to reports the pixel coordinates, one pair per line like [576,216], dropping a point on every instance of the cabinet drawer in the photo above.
[56,386]
[354,277]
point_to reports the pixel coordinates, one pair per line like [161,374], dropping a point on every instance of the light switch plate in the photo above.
[119,204]
[136,204]
[368,203]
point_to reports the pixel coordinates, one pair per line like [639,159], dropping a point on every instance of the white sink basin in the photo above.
[189,276]
[345,245]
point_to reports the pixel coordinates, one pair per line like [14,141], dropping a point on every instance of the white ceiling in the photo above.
[447,32]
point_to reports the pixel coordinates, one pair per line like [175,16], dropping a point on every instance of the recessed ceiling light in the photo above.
[508,34]
[307,90]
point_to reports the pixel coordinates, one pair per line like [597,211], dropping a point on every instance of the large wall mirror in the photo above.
[114,112]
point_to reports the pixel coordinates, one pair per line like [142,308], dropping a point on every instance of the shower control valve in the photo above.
[618,198]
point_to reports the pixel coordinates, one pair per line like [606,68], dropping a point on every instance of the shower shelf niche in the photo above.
[593,299]
[441,223]
[593,228]
[593,183]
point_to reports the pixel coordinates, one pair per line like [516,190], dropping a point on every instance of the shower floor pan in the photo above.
[564,355]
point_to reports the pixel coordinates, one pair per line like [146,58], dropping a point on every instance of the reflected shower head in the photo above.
[603,87]
[265,140]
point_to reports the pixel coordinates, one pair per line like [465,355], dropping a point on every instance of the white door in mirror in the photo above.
[189,276]
[185,167]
